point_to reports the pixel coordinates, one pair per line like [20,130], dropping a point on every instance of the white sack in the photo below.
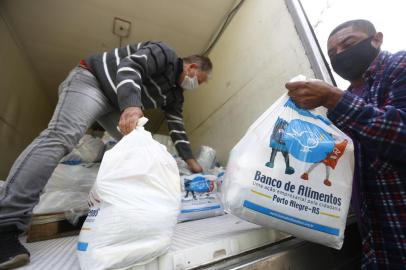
[206,157]
[138,187]
[67,189]
[271,190]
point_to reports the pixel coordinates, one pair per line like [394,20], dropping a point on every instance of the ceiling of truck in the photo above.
[56,34]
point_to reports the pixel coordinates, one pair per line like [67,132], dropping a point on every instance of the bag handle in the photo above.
[140,123]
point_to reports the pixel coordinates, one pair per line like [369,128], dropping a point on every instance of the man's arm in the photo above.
[151,59]
[380,130]
[177,132]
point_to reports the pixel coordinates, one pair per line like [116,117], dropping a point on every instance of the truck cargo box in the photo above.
[261,46]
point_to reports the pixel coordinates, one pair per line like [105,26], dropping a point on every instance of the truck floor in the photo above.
[195,243]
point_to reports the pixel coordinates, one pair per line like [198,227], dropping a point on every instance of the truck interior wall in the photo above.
[24,107]
[258,52]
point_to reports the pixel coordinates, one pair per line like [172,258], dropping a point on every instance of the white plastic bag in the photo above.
[182,166]
[89,149]
[219,172]
[138,187]
[108,141]
[206,157]
[292,171]
[67,189]
[167,142]
[200,197]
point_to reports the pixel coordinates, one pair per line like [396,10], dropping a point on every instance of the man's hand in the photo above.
[194,166]
[313,94]
[129,119]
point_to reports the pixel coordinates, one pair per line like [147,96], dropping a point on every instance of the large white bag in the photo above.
[138,189]
[292,171]
[67,189]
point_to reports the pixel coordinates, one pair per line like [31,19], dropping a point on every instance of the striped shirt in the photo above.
[145,75]
[375,118]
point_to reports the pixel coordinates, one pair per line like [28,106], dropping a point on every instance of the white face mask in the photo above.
[190,83]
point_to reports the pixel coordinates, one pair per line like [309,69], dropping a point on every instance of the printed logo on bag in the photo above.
[198,184]
[306,142]
[93,212]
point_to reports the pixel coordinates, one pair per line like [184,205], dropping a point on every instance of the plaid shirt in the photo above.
[376,120]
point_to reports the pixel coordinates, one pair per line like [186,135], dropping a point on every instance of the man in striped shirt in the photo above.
[150,75]
[112,88]
[373,113]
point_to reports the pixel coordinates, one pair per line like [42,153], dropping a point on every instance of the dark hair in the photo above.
[203,62]
[362,25]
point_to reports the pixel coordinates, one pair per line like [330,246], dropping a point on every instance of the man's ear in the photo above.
[377,40]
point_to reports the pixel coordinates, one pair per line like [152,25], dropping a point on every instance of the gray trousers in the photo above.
[80,103]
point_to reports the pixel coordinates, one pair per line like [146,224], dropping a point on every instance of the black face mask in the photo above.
[354,61]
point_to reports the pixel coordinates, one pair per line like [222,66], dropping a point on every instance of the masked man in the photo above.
[373,113]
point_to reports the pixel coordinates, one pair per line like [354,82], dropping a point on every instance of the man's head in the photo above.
[196,70]
[352,46]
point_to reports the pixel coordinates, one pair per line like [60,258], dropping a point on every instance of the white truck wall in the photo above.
[259,51]
[24,108]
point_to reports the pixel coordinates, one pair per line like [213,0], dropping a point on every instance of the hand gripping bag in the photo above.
[292,171]
[137,203]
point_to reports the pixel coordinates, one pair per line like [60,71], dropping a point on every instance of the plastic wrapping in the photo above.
[220,174]
[182,166]
[292,171]
[206,157]
[108,141]
[200,197]
[67,189]
[89,149]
